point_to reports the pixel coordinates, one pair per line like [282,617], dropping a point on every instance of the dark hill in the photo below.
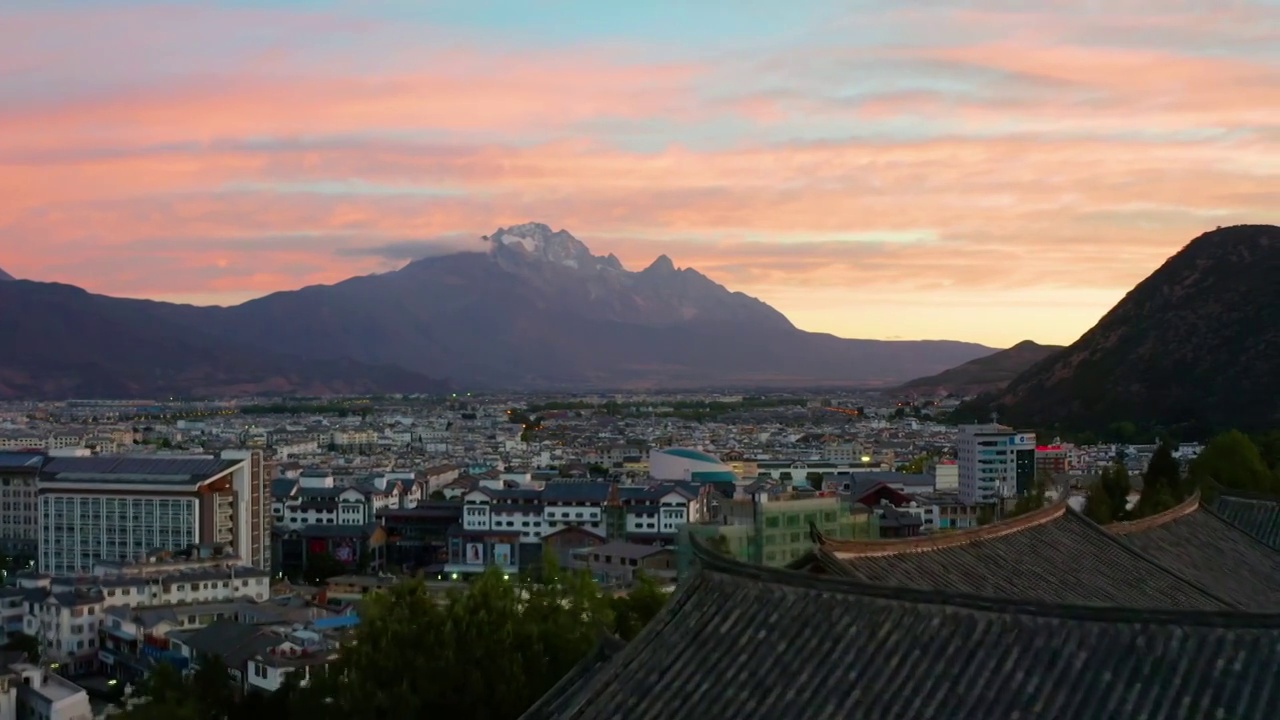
[985,374]
[68,343]
[1194,346]
[5,276]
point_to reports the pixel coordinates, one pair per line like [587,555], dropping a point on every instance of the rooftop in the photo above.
[1053,554]
[917,653]
[133,469]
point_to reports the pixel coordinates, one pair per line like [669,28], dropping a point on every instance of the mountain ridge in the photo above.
[1190,347]
[537,310]
[5,276]
[87,345]
[984,374]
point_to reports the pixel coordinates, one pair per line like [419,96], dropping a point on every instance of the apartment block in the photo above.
[995,462]
[122,507]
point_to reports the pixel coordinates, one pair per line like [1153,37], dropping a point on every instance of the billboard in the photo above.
[502,555]
[344,551]
[475,554]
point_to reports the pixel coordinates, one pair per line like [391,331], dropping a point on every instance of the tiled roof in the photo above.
[755,643]
[1201,545]
[1053,554]
[126,468]
[1257,515]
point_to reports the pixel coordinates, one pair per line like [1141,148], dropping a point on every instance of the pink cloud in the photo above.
[1075,169]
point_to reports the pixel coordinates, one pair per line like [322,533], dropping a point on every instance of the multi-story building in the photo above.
[1052,459]
[122,507]
[253,498]
[31,691]
[19,521]
[842,452]
[767,528]
[316,499]
[66,614]
[995,462]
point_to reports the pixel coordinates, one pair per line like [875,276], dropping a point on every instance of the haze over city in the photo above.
[871,169]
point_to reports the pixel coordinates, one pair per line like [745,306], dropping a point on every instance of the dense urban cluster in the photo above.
[267,549]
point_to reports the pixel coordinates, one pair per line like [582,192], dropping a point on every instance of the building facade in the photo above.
[19,520]
[120,508]
[994,462]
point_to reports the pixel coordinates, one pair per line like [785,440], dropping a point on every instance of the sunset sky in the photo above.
[984,170]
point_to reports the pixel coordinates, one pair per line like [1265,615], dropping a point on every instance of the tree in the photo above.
[1231,460]
[1108,498]
[415,656]
[1162,484]
[26,644]
[436,495]
[211,687]
[1034,499]
[634,610]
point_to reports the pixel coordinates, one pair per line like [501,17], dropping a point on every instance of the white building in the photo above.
[315,499]
[994,462]
[946,476]
[688,464]
[31,692]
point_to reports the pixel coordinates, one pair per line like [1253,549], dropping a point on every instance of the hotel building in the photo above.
[995,462]
[122,508]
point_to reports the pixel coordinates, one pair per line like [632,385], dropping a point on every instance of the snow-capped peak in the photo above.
[538,242]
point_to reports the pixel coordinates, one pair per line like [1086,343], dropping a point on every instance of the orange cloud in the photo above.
[1044,173]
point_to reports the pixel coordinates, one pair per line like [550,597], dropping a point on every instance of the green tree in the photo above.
[1231,460]
[634,610]
[211,687]
[1162,483]
[1108,498]
[26,644]
[1034,499]
[917,464]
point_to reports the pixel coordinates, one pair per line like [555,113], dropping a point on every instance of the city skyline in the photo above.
[868,171]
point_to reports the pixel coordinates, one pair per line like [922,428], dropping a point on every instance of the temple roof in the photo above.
[1256,514]
[1203,546]
[741,642]
[1052,554]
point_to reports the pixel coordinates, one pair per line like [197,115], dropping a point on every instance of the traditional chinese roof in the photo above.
[740,642]
[1052,554]
[1200,544]
[1254,513]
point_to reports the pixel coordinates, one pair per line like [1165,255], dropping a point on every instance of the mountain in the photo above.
[5,276]
[538,310]
[1193,346]
[68,343]
[984,374]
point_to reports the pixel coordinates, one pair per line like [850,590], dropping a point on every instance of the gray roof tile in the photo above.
[1055,554]
[1198,543]
[839,648]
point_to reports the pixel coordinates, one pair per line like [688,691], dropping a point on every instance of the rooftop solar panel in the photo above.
[139,466]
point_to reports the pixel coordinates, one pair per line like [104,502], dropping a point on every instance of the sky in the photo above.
[983,170]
